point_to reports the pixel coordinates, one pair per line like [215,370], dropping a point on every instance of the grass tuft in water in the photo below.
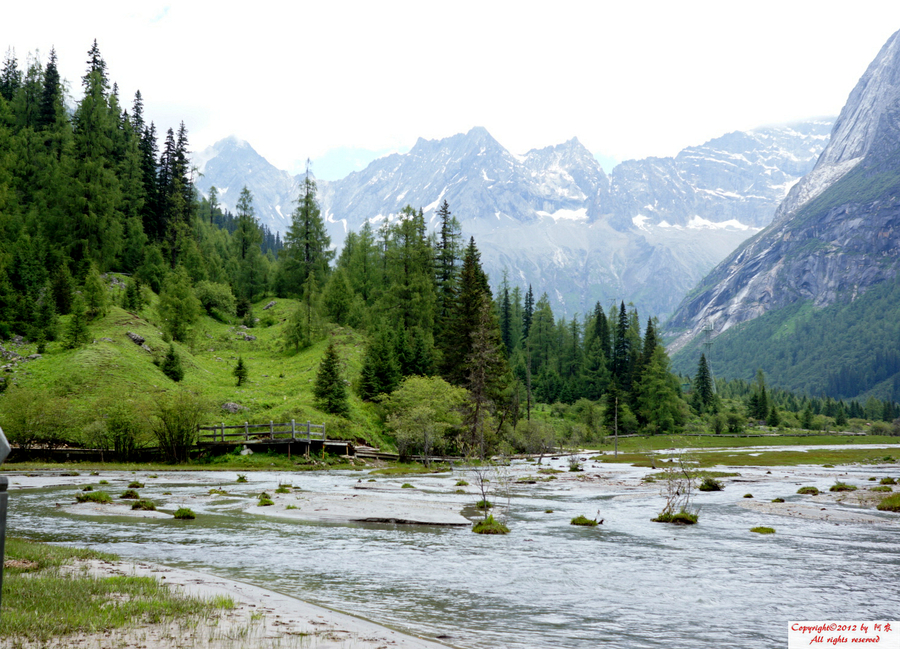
[680,518]
[144,505]
[584,521]
[890,504]
[130,494]
[763,530]
[810,491]
[842,486]
[94,497]
[184,514]
[490,526]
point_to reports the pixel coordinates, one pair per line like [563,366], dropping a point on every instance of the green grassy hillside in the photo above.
[112,370]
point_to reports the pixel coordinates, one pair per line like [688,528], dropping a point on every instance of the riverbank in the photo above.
[236,616]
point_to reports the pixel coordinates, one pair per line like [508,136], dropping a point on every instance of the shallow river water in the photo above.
[629,583]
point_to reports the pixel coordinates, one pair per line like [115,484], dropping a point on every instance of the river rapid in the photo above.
[629,583]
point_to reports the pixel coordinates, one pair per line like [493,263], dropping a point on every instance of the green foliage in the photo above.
[184,514]
[329,390]
[812,491]
[763,530]
[175,419]
[264,500]
[130,494]
[77,329]
[490,526]
[240,371]
[890,504]
[710,484]
[841,486]
[31,418]
[678,518]
[171,365]
[94,497]
[215,296]
[144,505]
[421,412]
[178,307]
[584,521]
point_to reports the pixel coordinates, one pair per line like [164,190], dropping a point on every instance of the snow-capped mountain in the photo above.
[646,233]
[834,235]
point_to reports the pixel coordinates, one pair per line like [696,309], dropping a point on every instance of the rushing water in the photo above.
[629,583]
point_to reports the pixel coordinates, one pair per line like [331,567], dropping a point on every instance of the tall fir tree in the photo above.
[329,390]
[307,246]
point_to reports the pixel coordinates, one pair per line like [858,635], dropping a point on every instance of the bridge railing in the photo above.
[291,429]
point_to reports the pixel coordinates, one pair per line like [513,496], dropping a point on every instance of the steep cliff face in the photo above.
[836,234]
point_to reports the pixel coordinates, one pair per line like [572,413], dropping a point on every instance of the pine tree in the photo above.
[95,297]
[456,342]
[329,389]
[621,350]
[307,246]
[380,372]
[171,365]
[77,330]
[527,313]
[703,389]
[447,257]
[10,75]
[240,371]
[506,315]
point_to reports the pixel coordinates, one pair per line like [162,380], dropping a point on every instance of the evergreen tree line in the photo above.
[93,188]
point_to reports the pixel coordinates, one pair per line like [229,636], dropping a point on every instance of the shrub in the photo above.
[171,365]
[890,504]
[183,513]
[130,494]
[812,491]
[265,500]
[710,484]
[575,463]
[145,505]
[490,526]
[842,486]
[176,417]
[484,504]
[94,497]
[763,530]
[585,521]
[241,477]
[215,296]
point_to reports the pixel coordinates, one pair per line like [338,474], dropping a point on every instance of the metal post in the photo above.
[4,501]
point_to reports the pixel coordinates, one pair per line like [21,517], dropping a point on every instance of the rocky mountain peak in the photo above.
[863,124]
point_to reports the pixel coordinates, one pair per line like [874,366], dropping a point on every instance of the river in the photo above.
[629,583]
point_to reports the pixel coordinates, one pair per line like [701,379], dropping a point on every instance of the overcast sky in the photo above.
[630,79]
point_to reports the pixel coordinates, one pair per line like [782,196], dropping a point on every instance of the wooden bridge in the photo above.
[303,436]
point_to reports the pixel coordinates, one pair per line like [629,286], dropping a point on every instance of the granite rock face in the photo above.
[837,232]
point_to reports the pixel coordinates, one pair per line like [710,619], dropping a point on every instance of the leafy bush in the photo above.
[94,497]
[812,491]
[183,513]
[490,526]
[710,484]
[176,417]
[215,296]
[171,365]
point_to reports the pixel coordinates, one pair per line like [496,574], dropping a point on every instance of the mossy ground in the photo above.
[279,386]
